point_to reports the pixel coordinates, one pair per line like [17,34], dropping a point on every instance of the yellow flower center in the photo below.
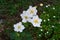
[26,17]
[35,21]
[31,11]
[19,27]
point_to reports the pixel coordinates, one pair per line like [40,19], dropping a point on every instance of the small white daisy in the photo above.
[53,26]
[54,16]
[40,35]
[44,20]
[41,29]
[46,6]
[53,8]
[32,10]
[47,32]
[19,27]
[48,19]
[25,16]
[36,21]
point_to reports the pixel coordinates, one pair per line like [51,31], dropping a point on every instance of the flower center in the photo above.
[35,21]
[19,27]
[31,11]
[26,17]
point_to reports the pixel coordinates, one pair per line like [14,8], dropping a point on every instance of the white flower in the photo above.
[53,8]
[41,29]
[47,32]
[36,21]
[54,16]
[46,5]
[41,4]
[48,19]
[25,16]
[19,27]
[53,26]
[39,34]
[44,20]
[32,10]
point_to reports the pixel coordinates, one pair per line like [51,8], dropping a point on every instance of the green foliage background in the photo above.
[10,11]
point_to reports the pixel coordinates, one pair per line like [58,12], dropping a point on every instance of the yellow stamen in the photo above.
[35,21]
[26,17]
[31,11]
[19,27]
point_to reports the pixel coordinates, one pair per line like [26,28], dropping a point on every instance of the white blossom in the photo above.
[41,29]
[39,34]
[36,21]
[48,19]
[54,16]
[32,11]
[25,16]
[53,8]
[44,20]
[41,4]
[47,32]
[46,5]
[19,27]
[53,26]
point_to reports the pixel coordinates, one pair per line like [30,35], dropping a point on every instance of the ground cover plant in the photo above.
[29,19]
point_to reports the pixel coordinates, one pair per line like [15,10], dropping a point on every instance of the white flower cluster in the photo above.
[28,16]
